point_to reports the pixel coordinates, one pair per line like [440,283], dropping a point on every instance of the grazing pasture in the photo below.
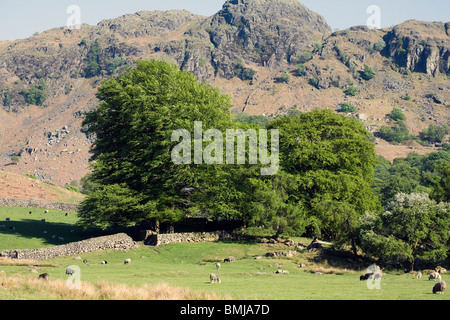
[184,269]
[29,231]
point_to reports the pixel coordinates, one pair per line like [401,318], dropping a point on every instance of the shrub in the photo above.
[244,73]
[351,91]
[15,159]
[300,70]
[398,134]
[397,114]
[314,82]
[304,57]
[435,133]
[368,73]
[380,45]
[347,107]
[36,95]
[285,77]
[253,119]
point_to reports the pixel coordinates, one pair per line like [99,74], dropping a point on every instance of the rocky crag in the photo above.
[271,56]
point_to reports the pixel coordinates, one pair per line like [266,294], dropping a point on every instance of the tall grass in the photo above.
[17,285]
[24,263]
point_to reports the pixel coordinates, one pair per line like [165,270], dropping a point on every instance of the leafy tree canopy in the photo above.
[132,154]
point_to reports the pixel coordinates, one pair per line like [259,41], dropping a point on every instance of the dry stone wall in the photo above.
[38,204]
[161,239]
[119,241]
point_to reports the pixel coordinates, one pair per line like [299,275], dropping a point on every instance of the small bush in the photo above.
[36,95]
[398,133]
[304,57]
[368,73]
[15,159]
[314,82]
[397,114]
[351,91]
[300,70]
[244,73]
[285,77]
[435,133]
[347,107]
[380,45]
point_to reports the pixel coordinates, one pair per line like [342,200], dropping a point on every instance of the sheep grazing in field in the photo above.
[70,271]
[127,261]
[104,262]
[366,276]
[218,266]
[85,261]
[440,287]
[419,275]
[44,276]
[230,259]
[46,211]
[435,275]
[214,278]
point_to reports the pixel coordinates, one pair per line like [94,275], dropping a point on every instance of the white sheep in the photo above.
[435,275]
[214,278]
[419,275]
[218,266]
[127,261]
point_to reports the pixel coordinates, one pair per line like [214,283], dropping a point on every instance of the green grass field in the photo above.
[188,265]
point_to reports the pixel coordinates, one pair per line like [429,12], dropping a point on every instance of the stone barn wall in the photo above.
[119,241]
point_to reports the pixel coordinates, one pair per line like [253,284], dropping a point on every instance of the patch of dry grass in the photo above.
[17,285]
[25,263]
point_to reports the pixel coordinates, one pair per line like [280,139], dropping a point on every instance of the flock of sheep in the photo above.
[213,277]
[71,272]
[439,287]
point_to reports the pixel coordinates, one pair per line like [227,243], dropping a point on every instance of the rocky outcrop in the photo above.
[421,46]
[263,32]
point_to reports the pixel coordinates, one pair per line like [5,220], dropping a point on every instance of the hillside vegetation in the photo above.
[260,52]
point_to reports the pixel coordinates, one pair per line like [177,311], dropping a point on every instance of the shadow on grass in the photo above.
[341,259]
[47,233]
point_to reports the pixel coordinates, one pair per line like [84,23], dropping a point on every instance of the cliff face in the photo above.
[263,32]
[421,46]
[47,81]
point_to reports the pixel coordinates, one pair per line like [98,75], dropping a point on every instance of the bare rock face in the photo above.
[421,46]
[265,32]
